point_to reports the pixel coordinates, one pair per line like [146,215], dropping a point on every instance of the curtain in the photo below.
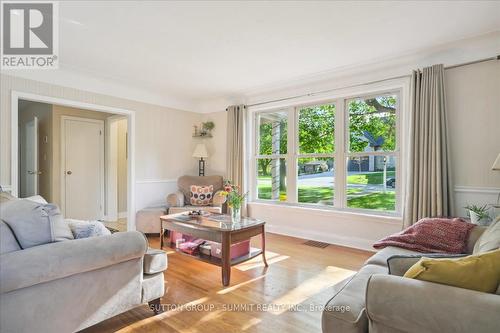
[235,153]
[429,178]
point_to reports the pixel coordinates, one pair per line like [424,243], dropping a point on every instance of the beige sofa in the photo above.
[379,299]
[178,202]
[69,285]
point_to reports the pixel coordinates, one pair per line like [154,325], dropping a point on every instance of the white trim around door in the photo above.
[17,95]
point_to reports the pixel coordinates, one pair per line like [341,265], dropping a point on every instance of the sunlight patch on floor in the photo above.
[239,285]
[327,278]
[258,262]
[250,323]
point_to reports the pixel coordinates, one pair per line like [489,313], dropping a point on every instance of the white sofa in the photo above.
[68,285]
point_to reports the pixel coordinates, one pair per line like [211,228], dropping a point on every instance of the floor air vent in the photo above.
[312,243]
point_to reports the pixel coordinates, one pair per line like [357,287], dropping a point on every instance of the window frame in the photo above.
[340,154]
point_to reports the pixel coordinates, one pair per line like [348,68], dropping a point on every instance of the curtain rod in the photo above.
[370,82]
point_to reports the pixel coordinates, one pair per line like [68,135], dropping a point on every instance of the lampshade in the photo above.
[200,151]
[496,164]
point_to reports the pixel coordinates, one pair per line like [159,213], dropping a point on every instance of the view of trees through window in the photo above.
[371,175]
[369,156]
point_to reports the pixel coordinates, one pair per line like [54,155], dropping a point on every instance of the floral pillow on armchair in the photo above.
[201,195]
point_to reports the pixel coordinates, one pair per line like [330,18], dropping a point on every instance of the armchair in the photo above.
[178,201]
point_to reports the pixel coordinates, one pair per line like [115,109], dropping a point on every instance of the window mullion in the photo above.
[340,154]
[291,171]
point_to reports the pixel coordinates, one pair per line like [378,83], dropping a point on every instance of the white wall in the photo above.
[473,100]
[216,146]
[163,136]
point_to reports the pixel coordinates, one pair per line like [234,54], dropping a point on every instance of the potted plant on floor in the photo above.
[234,200]
[478,215]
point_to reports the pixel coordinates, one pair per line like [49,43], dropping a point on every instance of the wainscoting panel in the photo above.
[479,196]
[153,192]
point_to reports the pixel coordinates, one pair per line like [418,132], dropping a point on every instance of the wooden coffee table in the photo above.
[217,228]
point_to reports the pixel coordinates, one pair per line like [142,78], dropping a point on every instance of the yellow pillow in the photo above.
[479,272]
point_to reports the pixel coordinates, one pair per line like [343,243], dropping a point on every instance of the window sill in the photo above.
[383,217]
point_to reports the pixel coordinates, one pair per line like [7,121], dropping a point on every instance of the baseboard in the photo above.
[357,243]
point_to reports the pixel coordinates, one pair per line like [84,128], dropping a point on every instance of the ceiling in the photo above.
[198,50]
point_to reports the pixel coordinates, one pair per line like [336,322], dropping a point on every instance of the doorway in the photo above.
[40,154]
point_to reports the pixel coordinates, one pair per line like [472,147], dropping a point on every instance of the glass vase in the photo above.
[235,214]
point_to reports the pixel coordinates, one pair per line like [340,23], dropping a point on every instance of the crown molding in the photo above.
[87,81]
[461,51]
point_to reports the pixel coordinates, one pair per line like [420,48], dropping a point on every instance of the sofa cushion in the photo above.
[336,317]
[37,198]
[155,261]
[474,235]
[479,272]
[489,240]
[33,223]
[380,258]
[8,242]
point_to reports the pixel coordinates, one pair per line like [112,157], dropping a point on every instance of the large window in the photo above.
[342,154]
[316,142]
[272,153]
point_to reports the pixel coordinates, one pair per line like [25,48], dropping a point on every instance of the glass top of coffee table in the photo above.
[220,222]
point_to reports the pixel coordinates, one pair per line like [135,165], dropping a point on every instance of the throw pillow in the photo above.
[398,264]
[476,272]
[86,229]
[33,223]
[201,195]
[490,239]
[443,235]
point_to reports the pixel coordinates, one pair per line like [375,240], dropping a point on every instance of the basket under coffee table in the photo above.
[218,228]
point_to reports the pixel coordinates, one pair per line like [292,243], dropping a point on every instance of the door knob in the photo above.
[34,172]
[69,172]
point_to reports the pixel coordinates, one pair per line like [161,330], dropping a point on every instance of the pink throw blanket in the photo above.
[431,235]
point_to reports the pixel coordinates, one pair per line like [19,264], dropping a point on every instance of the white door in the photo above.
[83,167]
[29,162]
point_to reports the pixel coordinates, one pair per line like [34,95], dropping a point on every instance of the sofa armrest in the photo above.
[219,199]
[39,264]
[175,199]
[411,305]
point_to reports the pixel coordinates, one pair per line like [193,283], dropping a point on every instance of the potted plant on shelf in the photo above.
[478,215]
[207,127]
[234,200]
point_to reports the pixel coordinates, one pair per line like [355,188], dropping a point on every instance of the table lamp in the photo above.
[201,152]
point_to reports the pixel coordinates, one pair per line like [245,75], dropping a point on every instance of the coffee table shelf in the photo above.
[254,252]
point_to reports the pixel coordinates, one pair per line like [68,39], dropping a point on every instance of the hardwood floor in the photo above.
[285,297]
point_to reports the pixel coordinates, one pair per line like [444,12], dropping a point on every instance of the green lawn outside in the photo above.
[372,178]
[379,201]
